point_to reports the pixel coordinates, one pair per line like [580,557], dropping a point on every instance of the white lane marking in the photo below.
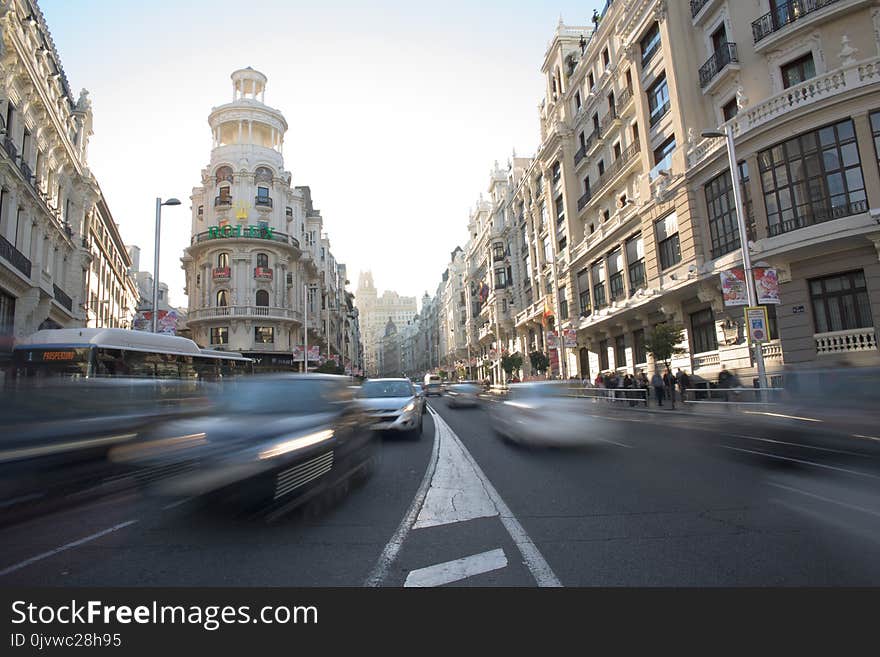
[537,565]
[814,464]
[605,440]
[176,504]
[28,452]
[456,493]
[787,417]
[459,569]
[389,554]
[858,435]
[854,507]
[782,442]
[66,546]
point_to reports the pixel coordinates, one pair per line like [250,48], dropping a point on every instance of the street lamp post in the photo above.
[159,204]
[751,292]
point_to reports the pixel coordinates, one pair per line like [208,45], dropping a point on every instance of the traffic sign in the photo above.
[757,324]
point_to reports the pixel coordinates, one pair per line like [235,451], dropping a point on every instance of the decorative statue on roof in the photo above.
[596,17]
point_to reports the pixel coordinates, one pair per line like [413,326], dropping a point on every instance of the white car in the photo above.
[542,413]
[393,405]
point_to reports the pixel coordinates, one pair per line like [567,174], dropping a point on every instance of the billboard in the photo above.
[167,322]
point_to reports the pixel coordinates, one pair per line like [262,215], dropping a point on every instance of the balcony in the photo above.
[810,214]
[15,257]
[842,342]
[256,232]
[225,312]
[707,359]
[720,59]
[623,101]
[580,154]
[593,141]
[696,6]
[263,202]
[659,113]
[222,201]
[609,121]
[26,171]
[9,147]
[786,14]
[584,200]
[219,274]
[62,297]
[627,156]
[664,165]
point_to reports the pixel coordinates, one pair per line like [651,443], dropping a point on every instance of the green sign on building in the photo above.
[263,231]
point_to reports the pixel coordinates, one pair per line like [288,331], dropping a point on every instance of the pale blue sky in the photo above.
[396,111]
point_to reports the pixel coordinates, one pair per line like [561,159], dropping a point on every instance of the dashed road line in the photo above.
[813,463]
[854,507]
[456,570]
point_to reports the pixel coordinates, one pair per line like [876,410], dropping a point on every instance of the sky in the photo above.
[396,112]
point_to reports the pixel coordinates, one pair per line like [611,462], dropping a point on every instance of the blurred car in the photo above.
[433,385]
[461,395]
[392,405]
[421,397]
[269,441]
[542,413]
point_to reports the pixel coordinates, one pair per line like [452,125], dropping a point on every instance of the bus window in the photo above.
[206,368]
[110,362]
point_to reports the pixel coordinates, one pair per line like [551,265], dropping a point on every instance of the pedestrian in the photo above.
[669,382]
[684,382]
[725,381]
[629,383]
[657,383]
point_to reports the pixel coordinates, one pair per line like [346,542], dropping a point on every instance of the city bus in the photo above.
[115,352]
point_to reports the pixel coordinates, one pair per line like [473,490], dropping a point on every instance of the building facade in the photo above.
[374,312]
[62,262]
[259,271]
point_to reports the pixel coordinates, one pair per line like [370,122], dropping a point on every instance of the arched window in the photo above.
[262,298]
[223,298]
[262,260]
[222,260]
[263,175]
[224,174]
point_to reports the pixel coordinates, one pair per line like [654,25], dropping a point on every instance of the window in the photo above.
[730,109]
[615,275]
[262,192]
[662,158]
[201,211]
[577,100]
[812,178]
[723,226]
[667,241]
[799,70]
[264,334]
[840,302]
[220,335]
[875,128]
[263,260]
[603,355]
[606,58]
[640,353]
[563,304]
[591,79]
[650,43]
[223,298]
[224,174]
[620,351]
[563,242]
[222,260]
[606,214]
[500,279]
[548,252]
[583,283]
[263,175]
[601,167]
[262,297]
[498,251]
[543,217]
[557,172]
[703,331]
[560,210]
[616,150]
[597,271]
[635,259]
[658,99]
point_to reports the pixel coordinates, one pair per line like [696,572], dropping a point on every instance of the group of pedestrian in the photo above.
[665,386]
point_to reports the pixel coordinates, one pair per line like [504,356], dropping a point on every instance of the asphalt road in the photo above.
[663,501]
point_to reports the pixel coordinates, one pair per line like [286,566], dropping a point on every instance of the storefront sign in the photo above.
[258,232]
[757,324]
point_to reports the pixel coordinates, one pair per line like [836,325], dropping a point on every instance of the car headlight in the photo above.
[299,442]
[409,408]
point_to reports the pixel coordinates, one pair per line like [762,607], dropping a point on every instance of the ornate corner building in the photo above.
[259,270]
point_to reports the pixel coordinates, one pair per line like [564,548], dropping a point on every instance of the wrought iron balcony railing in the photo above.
[785,14]
[726,54]
[15,257]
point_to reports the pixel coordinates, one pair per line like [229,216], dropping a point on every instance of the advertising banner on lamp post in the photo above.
[733,287]
[552,341]
[570,338]
[767,285]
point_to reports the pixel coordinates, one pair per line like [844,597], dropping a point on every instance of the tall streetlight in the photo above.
[159,204]
[751,292]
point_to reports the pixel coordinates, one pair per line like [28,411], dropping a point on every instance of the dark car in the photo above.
[460,395]
[272,441]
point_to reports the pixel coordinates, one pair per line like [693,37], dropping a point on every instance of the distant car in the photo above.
[392,405]
[420,395]
[542,413]
[433,385]
[271,441]
[461,395]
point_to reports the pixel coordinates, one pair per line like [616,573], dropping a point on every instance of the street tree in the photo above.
[662,343]
[511,363]
[540,361]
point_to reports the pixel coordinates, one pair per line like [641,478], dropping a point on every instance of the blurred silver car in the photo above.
[461,395]
[421,397]
[392,405]
[541,413]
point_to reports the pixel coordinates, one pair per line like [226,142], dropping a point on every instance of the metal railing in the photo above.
[633,396]
[740,395]
[623,100]
[62,297]
[15,257]
[580,154]
[9,147]
[696,6]
[785,14]
[662,111]
[809,214]
[263,201]
[618,165]
[726,54]
[584,199]
[221,201]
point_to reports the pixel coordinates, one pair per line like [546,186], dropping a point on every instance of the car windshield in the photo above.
[289,396]
[378,389]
